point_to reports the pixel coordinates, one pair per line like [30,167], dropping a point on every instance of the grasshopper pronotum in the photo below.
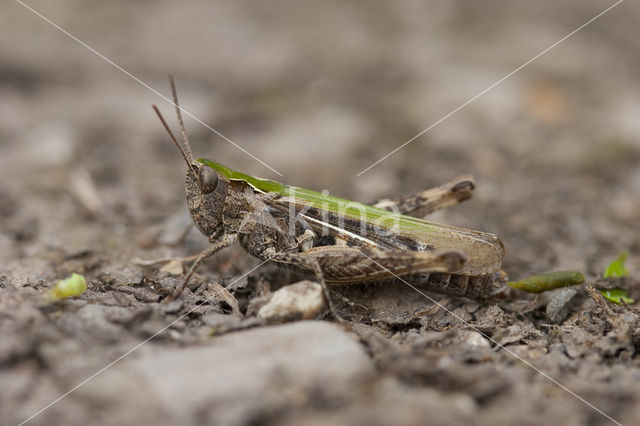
[338,240]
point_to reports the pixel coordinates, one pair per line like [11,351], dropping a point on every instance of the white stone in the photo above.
[302,300]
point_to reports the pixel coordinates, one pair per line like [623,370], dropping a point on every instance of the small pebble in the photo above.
[174,267]
[302,300]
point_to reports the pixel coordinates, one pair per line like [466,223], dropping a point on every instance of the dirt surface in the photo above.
[318,91]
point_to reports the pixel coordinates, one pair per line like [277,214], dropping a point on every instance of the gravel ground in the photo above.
[318,91]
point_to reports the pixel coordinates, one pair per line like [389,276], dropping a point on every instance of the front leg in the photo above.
[426,202]
[225,241]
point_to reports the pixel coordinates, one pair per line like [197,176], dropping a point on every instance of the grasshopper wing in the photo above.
[376,227]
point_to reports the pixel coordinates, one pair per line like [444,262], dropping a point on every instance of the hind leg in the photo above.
[426,202]
[350,264]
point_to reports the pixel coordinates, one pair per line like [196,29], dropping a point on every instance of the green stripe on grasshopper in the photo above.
[348,208]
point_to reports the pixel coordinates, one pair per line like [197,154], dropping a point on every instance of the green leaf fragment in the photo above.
[616,268]
[615,294]
[550,281]
[75,285]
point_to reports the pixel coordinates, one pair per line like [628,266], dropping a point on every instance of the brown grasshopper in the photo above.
[338,240]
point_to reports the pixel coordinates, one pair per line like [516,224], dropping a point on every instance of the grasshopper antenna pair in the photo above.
[186,150]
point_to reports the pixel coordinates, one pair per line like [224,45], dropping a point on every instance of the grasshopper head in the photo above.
[206,191]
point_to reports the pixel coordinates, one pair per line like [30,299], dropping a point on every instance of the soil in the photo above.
[90,183]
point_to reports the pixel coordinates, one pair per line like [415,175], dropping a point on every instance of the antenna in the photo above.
[173,138]
[185,139]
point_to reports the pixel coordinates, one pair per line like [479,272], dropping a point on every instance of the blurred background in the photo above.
[318,91]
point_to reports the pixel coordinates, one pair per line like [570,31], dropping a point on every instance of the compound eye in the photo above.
[208,180]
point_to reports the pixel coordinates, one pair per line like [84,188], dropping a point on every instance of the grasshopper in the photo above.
[335,239]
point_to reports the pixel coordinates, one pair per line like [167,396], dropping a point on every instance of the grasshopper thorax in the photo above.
[206,190]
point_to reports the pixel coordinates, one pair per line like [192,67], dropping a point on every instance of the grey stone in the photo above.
[557,307]
[233,371]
